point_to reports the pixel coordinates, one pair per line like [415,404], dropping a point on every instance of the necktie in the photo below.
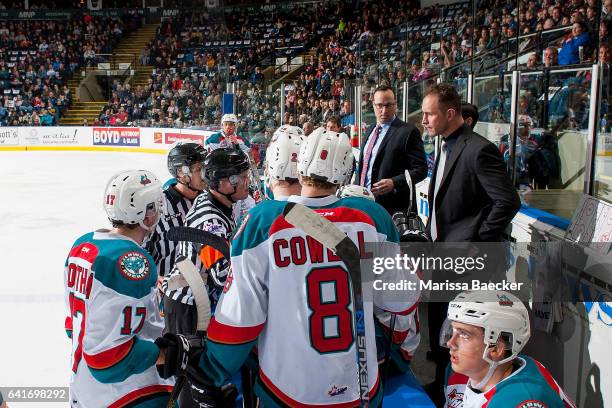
[439,176]
[368,155]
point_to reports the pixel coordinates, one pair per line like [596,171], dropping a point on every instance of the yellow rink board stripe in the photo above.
[84,149]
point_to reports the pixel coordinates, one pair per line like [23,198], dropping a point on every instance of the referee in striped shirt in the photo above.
[185,165]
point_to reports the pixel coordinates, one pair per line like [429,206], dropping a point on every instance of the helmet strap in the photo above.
[228,196]
[188,184]
[492,366]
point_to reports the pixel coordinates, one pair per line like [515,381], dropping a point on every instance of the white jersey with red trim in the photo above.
[219,140]
[291,297]
[529,386]
[113,320]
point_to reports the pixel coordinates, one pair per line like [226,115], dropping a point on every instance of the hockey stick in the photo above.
[189,271]
[193,279]
[333,238]
[387,363]
[198,236]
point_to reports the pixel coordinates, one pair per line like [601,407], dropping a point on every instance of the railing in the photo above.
[121,64]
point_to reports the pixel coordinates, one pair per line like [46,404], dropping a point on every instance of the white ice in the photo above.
[48,199]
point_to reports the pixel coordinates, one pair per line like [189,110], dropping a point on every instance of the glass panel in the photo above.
[367,109]
[398,89]
[258,109]
[551,146]
[492,96]
[602,187]
[347,107]
[415,97]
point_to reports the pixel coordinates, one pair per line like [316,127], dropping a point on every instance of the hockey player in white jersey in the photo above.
[291,297]
[113,316]
[280,174]
[485,332]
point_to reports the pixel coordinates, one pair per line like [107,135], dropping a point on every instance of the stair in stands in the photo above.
[79,111]
[307,58]
[128,50]
[131,48]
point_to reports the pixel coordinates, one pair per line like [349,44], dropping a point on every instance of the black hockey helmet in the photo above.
[184,154]
[222,163]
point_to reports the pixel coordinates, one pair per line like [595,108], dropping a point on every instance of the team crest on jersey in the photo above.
[454,399]
[144,180]
[242,225]
[134,265]
[531,404]
[337,390]
[504,300]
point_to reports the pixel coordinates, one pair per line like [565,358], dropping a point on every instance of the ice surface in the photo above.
[48,199]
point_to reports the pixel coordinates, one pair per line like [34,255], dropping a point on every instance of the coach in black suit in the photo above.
[471,199]
[392,146]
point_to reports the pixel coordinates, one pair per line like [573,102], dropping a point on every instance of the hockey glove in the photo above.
[180,350]
[206,396]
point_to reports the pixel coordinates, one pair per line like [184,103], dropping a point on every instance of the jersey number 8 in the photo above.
[329,297]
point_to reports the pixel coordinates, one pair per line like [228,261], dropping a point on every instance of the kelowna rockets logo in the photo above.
[144,180]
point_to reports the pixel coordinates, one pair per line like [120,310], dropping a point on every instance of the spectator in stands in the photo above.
[551,57]
[257,77]
[121,117]
[532,62]
[333,124]
[332,110]
[571,45]
[605,55]
[46,119]
[604,31]
[347,117]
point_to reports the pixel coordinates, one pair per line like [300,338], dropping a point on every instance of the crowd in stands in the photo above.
[38,57]
[196,53]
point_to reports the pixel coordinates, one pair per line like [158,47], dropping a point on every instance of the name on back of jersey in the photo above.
[80,275]
[300,250]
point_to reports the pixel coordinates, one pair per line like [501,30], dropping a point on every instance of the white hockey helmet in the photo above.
[130,194]
[229,117]
[353,190]
[282,153]
[327,156]
[499,313]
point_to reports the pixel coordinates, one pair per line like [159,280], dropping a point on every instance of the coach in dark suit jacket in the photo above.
[471,199]
[474,199]
[391,147]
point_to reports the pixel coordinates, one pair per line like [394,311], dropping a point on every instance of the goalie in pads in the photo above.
[290,296]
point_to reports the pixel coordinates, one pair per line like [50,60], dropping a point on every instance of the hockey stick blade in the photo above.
[332,237]
[193,278]
[410,189]
[198,236]
[196,283]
